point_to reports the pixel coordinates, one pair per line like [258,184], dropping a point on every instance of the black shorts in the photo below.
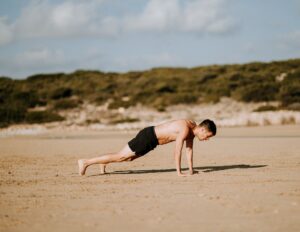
[144,141]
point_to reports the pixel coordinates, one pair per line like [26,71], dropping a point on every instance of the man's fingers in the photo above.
[183,175]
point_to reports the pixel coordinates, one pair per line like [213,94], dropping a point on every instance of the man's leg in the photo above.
[124,155]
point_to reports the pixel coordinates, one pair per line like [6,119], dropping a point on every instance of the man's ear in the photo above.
[202,129]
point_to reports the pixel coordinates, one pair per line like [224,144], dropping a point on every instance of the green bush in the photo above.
[7,87]
[181,98]
[216,90]
[165,88]
[211,98]
[124,120]
[42,117]
[26,98]
[289,94]
[236,80]
[160,103]
[62,92]
[100,98]
[290,90]
[4,124]
[65,104]
[256,92]
[12,113]
[119,103]
[207,77]
[266,108]
[46,77]
[294,106]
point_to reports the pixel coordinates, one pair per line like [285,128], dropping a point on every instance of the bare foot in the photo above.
[82,167]
[102,168]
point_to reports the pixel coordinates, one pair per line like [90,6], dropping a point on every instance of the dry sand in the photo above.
[249,180]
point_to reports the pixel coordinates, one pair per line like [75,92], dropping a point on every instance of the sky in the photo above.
[43,36]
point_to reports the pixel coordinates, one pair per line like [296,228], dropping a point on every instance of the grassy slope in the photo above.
[158,88]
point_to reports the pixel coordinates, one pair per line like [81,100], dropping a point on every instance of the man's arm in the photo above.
[189,155]
[177,154]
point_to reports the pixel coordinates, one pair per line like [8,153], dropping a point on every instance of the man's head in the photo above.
[205,130]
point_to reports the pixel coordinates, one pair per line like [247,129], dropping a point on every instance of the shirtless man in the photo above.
[148,138]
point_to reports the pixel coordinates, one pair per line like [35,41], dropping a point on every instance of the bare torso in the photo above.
[168,132]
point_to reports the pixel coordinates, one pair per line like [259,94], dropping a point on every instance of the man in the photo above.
[148,138]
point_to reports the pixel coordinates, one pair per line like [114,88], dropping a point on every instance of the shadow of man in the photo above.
[204,168]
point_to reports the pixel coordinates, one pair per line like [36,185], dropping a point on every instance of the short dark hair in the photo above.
[209,125]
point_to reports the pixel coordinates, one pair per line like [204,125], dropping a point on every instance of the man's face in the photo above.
[203,134]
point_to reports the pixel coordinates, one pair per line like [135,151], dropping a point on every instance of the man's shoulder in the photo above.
[187,123]
[180,123]
[183,126]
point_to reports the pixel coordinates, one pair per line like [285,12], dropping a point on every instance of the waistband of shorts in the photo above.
[153,130]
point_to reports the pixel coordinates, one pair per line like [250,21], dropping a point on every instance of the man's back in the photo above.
[169,131]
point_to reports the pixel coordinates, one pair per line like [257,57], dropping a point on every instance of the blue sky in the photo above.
[41,36]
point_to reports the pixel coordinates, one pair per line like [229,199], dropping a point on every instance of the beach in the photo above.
[248,180]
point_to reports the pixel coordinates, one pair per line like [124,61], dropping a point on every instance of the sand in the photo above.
[249,180]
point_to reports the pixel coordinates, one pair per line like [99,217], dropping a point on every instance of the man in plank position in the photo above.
[148,138]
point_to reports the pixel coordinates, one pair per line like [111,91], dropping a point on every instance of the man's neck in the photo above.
[195,130]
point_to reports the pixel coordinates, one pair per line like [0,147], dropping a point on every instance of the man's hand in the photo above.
[191,172]
[182,174]
[187,174]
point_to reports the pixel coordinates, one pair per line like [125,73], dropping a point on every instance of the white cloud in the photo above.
[47,60]
[200,16]
[42,57]
[72,18]
[6,34]
[34,58]
[292,39]
[69,18]
[157,15]
[206,16]
[34,61]
[289,43]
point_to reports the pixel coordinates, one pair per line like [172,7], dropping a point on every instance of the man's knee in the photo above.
[125,157]
[132,158]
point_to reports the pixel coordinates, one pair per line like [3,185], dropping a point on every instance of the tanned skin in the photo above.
[178,131]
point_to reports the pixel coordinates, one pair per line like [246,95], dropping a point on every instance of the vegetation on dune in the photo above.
[157,88]
[42,117]
[124,120]
[265,108]
[65,104]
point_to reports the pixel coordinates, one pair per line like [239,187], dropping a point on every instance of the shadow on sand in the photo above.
[204,168]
